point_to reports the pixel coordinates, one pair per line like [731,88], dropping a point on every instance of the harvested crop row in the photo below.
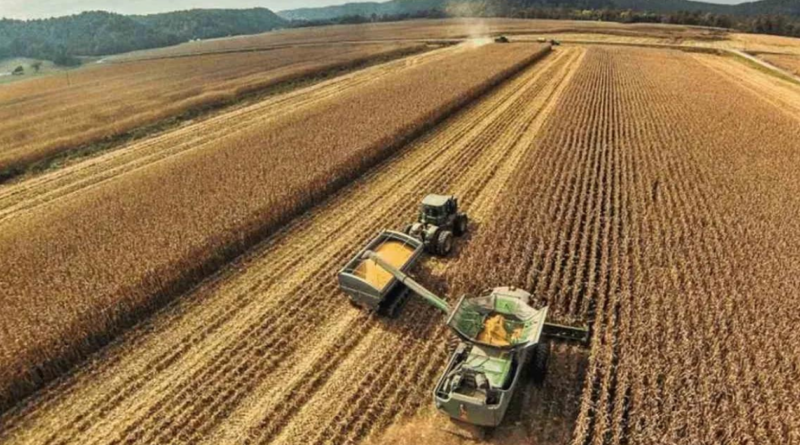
[81,267]
[676,219]
[44,117]
[270,349]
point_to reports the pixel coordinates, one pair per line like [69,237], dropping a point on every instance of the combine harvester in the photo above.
[500,335]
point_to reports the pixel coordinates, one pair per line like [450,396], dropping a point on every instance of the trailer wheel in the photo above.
[444,243]
[462,225]
[541,354]
[407,229]
[452,344]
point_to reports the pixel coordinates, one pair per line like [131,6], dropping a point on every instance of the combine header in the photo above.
[501,336]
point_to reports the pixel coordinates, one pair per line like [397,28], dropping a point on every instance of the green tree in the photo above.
[36,66]
[18,71]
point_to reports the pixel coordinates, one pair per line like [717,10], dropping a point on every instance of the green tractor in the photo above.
[501,336]
[439,221]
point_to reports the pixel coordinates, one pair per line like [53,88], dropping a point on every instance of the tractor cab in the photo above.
[436,209]
[439,221]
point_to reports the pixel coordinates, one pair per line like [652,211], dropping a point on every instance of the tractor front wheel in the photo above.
[444,243]
[461,226]
[541,354]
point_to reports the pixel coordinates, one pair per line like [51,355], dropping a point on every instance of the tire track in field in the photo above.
[177,365]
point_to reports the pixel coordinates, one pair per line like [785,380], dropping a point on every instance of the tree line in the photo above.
[63,40]
[776,24]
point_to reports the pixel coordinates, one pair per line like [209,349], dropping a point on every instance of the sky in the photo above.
[34,9]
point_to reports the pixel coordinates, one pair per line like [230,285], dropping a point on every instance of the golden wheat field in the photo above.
[182,289]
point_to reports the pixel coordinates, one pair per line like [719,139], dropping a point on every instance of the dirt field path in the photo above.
[17,199]
[269,351]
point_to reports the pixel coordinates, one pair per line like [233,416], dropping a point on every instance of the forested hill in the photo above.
[493,7]
[102,33]
[365,9]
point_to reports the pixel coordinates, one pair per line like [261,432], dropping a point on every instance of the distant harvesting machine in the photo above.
[501,337]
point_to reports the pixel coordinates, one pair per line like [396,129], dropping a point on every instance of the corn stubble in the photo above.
[661,204]
[80,268]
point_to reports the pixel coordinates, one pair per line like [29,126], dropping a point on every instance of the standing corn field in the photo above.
[676,219]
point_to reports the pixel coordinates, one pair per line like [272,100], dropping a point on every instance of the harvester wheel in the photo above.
[541,354]
[444,243]
[461,226]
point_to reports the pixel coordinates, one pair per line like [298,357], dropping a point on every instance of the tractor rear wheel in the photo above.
[444,243]
[541,354]
[462,225]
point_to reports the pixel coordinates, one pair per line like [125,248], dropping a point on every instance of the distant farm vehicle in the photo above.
[500,335]
[501,39]
[438,222]
[552,42]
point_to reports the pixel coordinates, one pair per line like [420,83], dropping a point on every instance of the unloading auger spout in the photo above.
[407,281]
